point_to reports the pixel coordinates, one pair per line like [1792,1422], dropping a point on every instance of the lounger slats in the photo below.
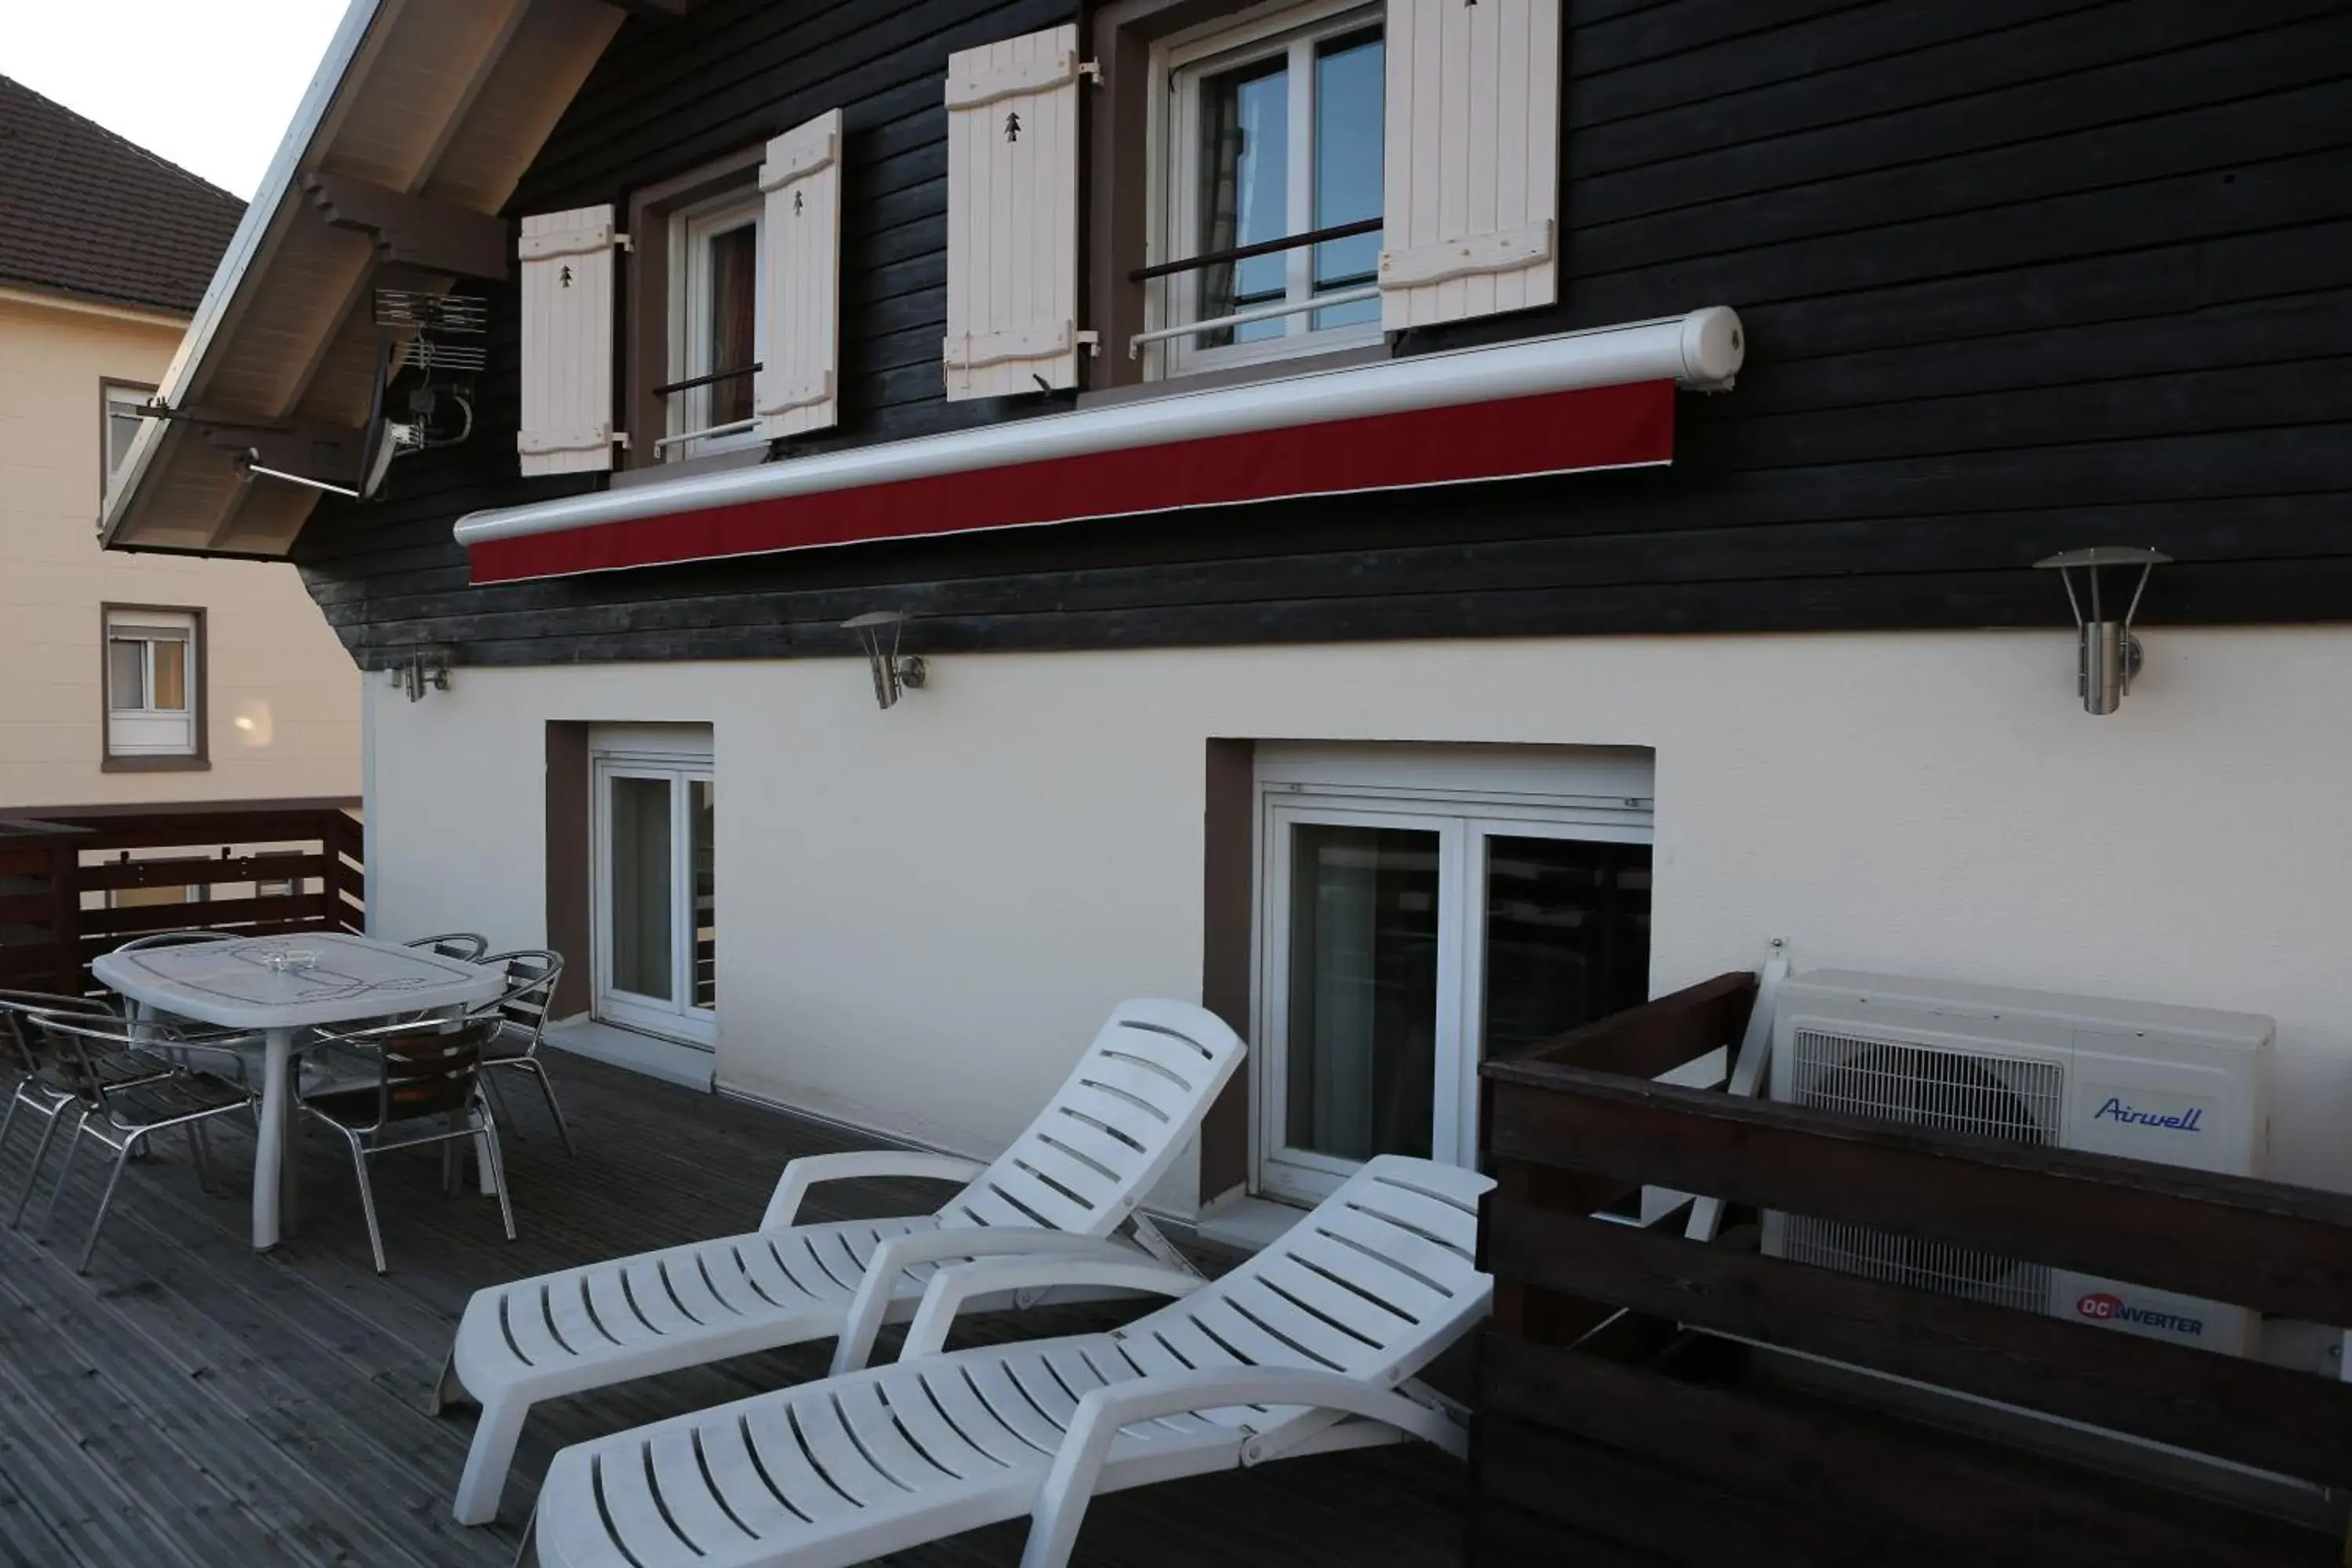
[775,1441]
[686,1493]
[1314,1251]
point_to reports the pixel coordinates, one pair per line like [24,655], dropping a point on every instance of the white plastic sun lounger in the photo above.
[1066,1185]
[1304,1349]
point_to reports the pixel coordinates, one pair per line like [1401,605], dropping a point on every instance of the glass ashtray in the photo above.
[292,958]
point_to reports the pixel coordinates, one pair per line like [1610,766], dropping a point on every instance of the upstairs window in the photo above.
[124,405]
[154,673]
[714,305]
[1273,132]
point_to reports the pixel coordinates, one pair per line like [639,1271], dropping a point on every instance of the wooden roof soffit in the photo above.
[656,10]
[413,231]
[328,452]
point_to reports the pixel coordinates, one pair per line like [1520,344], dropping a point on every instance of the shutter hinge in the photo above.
[1091,68]
[621,242]
[1092,342]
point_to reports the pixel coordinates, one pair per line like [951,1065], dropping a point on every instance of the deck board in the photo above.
[191,1403]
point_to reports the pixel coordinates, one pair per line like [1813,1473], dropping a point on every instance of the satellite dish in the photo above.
[380,443]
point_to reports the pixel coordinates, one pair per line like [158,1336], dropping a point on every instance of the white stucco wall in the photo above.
[925,913]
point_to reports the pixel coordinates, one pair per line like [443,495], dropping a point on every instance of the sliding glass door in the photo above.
[657,896]
[1402,941]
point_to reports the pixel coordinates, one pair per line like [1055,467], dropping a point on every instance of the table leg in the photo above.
[272,1160]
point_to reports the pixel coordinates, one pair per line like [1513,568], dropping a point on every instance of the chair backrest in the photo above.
[1131,1104]
[522,1007]
[1372,1284]
[76,1050]
[464,945]
[20,1043]
[425,1067]
[188,937]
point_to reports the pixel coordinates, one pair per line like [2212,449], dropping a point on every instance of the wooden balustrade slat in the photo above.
[296,866]
[1935,1499]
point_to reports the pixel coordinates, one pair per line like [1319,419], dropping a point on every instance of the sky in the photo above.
[209,85]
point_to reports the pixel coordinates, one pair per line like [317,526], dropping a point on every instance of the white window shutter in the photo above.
[1012,215]
[1471,177]
[800,331]
[567,342]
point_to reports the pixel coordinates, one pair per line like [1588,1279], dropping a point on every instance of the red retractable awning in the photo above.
[1595,400]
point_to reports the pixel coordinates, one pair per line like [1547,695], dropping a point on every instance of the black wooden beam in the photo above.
[413,231]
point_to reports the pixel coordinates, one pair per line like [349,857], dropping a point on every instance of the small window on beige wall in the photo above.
[153,687]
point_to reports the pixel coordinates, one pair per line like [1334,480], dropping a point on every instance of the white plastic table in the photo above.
[232,985]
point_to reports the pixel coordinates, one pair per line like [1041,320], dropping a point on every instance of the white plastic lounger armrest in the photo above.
[1061,1504]
[900,1253]
[951,1286]
[863,1164]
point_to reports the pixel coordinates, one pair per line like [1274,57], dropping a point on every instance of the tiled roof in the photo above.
[84,211]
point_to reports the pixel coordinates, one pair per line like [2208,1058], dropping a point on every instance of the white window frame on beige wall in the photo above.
[691,231]
[1180,66]
[125,406]
[143,727]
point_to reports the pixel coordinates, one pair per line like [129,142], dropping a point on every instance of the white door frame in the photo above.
[1464,795]
[677,763]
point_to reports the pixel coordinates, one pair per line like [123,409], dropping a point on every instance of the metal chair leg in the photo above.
[554,1106]
[73,1147]
[105,1201]
[200,1157]
[497,1098]
[33,1174]
[8,1118]
[367,1203]
[486,1137]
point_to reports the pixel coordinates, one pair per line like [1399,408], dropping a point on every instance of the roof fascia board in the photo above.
[269,206]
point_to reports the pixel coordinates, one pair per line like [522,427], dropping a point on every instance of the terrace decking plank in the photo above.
[306,1374]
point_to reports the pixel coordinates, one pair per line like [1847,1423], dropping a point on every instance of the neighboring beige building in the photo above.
[131,677]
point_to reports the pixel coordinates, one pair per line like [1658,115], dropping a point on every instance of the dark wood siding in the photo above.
[2019,274]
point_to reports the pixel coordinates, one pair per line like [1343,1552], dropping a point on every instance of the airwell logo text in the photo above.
[2114,1110]
[2105,1307]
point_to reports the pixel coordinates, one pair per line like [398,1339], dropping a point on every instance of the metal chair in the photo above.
[89,1056]
[46,1095]
[465,946]
[522,1013]
[425,1069]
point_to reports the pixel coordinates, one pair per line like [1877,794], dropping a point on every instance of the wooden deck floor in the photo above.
[191,1403]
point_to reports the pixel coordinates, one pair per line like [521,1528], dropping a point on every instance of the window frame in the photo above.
[680,759]
[111,392]
[114,757]
[650,316]
[1179,64]
[688,289]
[1464,800]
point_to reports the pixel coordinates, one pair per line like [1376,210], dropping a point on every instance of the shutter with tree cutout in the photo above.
[567,342]
[1012,215]
[800,351]
[1472,159]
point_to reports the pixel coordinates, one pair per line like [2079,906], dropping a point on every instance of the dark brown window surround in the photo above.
[1227,899]
[105,385]
[1117,217]
[646,316]
[199,676]
[569,857]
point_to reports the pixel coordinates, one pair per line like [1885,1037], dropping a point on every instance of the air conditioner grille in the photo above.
[2006,1098]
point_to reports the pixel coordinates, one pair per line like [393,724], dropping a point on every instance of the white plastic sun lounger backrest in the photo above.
[1131,1104]
[1372,1284]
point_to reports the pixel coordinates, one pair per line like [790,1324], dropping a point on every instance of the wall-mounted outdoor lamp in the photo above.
[2110,655]
[424,670]
[878,632]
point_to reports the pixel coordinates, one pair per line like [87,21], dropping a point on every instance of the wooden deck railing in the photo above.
[1588,1441]
[75,884]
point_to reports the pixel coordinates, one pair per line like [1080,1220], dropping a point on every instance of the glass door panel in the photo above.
[1566,939]
[1363,989]
[639,913]
[656,896]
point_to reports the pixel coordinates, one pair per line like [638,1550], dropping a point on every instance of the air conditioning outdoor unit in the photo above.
[2182,1085]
